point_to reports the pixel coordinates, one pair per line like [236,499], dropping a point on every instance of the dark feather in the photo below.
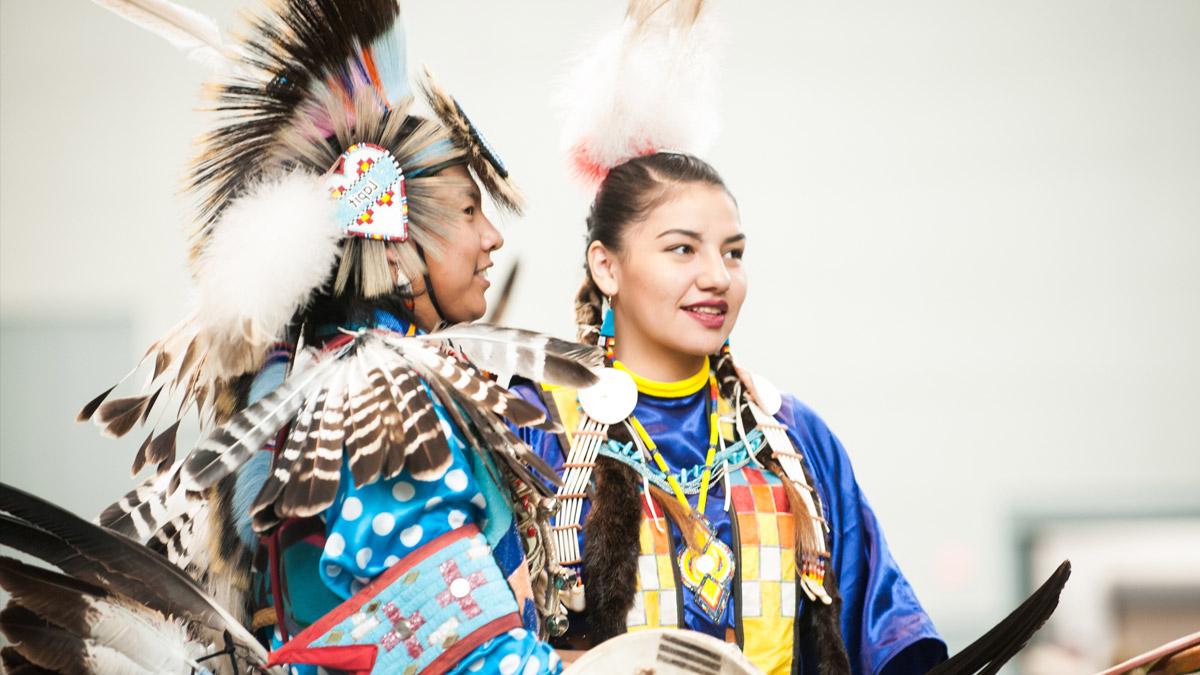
[140,511]
[42,643]
[117,564]
[117,417]
[313,483]
[162,451]
[229,446]
[365,443]
[191,356]
[13,663]
[422,446]
[510,449]
[150,405]
[161,361]
[478,391]
[89,409]
[48,594]
[139,460]
[991,651]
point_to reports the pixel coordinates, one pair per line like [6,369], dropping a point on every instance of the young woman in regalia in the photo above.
[694,495]
[357,501]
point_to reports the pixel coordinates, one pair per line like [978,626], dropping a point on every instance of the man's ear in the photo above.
[603,265]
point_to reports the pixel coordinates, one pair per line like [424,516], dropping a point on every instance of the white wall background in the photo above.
[974,240]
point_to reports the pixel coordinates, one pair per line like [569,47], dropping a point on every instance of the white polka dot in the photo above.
[432,503]
[332,571]
[383,524]
[554,661]
[476,666]
[456,480]
[334,545]
[479,501]
[403,491]
[351,508]
[510,663]
[456,519]
[518,633]
[411,536]
[363,557]
[390,560]
[533,666]
[361,581]
[446,428]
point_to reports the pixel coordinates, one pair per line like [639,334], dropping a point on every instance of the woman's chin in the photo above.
[693,344]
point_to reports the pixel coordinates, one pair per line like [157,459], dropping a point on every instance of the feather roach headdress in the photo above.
[319,178]
[646,87]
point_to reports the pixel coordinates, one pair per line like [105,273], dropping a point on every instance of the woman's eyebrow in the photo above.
[735,238]
[687,233]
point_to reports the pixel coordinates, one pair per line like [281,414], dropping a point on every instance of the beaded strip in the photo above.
[589,437]
[812,564]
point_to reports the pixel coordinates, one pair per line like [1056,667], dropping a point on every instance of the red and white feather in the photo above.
[646,87]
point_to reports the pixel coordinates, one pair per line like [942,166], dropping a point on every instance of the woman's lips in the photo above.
[710,315]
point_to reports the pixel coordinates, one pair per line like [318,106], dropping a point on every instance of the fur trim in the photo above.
[611,549]
[646,87]
[480,157]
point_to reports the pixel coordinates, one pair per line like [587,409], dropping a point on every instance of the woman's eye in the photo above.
[469,211]
[735,254]
[682,249]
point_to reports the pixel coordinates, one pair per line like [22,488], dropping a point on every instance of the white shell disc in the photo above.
[611,399]
[767,396]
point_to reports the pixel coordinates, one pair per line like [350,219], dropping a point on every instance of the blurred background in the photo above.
[974,249]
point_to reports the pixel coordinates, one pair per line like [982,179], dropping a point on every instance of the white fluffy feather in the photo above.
[642,89]
[157,644]
[268,252]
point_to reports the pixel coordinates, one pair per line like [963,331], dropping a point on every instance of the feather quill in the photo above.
[189,31]
[527,354]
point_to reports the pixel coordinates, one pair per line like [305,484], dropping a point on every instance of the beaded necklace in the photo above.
[707,572]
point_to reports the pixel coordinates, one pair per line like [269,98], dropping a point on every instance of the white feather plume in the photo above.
[270,250]
[191,32]
[158,644]
[646,87]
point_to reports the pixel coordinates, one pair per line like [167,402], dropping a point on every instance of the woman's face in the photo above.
[459,272]
[677,282]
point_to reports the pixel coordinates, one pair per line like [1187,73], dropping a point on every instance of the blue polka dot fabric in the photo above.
[517,652]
